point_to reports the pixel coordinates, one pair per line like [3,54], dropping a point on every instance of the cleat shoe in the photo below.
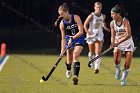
[75,80]
[118,74]
[90,64]
[96,71]
[123,83]
[68,74]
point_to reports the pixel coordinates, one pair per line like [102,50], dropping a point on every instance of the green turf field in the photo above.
[21,74]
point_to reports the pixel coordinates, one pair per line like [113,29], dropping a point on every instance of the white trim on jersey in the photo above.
[96,29]
[127,45]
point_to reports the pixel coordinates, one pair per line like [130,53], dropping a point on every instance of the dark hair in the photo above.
[119,9]
[64,7]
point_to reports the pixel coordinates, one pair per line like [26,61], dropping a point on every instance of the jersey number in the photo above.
[73,31]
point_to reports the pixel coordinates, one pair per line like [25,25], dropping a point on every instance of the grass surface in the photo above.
[21,74]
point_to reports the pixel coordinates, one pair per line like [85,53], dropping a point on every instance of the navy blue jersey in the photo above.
[71,28]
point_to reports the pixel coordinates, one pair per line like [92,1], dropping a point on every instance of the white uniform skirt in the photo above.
[96,35]
[127,45]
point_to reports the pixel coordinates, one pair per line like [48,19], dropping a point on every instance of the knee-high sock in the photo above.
[76,68]
[125,74]
[91,56]
[68,66]
[97,62]
[118,67]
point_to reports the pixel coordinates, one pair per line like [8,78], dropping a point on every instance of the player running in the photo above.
[72,36]
[121,37]
[96,22]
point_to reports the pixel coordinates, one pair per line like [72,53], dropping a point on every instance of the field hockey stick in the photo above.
[89,37]
[103,53]
[56,64]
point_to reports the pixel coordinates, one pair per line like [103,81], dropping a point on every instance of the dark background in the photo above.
[23,35]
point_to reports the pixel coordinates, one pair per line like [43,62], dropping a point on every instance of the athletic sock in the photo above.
[125,73]
[76,68]
[118,67]
[97,63]
[68,66]
[91,56]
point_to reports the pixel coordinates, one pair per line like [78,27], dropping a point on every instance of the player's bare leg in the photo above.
[98,48]
[117,60]
[76,67]
[126,70]
[69,63]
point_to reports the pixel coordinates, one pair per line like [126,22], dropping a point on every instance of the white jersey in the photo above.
[127,45]
[95,28]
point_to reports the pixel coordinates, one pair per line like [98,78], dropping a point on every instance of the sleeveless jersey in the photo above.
[120,32]
[71,28]
[96,29]
[95,26]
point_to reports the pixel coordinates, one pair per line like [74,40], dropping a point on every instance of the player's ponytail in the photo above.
[58,20]
[123,13]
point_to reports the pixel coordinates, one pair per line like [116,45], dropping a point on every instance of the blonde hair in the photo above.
[64,7]
[97,3]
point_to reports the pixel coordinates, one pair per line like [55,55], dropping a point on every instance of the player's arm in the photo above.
[128,31]
[63,36]
[112,34]
[86,23]
[80,26]
[104,24]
